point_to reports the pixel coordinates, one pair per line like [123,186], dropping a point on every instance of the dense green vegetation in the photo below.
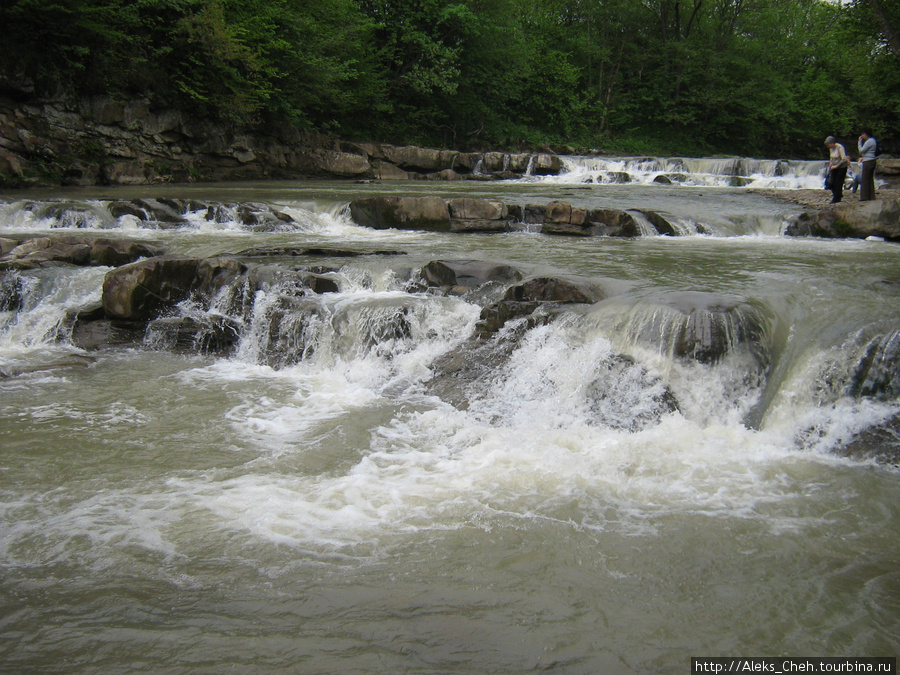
[765,77]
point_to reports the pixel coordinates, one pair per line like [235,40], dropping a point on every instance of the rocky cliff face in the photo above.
[96,141]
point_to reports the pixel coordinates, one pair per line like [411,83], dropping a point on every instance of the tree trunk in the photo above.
[891,32]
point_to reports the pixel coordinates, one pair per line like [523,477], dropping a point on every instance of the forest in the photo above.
[750,77]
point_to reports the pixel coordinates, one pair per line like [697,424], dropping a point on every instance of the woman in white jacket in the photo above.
[838,163]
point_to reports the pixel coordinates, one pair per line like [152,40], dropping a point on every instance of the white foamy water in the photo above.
[359,485]
[692,172]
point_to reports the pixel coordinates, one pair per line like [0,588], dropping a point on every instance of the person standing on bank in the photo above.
[867,148]
[838,162]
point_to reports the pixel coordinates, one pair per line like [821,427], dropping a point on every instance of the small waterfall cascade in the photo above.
[149,214]
[645,227]
[38,310]
[697,172]
[625,362]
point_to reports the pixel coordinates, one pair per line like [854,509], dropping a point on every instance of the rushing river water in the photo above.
[170,511]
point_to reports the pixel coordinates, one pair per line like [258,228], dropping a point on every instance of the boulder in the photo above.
[545,165]
[164,212]
[887,167]
[467,208]
[387,171]
[465,162]
[143,290]
[478,215]
[494,316]
[613,223]
[880,443]
[493,161]
[7,245]
[262,217]
[518,162]
[533,214]
[556,290]
[468,273]
[562,218]
[876,218]
[662,225]
[459,374]
[402,213]
[116,252]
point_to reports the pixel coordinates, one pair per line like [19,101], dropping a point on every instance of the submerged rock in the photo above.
[702,327]
[623,395]
[213,334]
[716,326]
[10,292]
[618,392]
[68,361]
[92,332]
[877,375]
[881,443]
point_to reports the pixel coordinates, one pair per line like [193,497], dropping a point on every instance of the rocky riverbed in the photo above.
[821,198]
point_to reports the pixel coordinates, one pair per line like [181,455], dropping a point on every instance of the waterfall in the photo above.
[697,172]
[38,309]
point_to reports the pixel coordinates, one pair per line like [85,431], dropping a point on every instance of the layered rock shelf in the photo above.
[879,218]
[459,215]
[95,141]
[484,215]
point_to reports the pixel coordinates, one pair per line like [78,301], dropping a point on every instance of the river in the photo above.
[326,512]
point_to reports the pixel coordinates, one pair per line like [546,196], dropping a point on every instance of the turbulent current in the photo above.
[367,482]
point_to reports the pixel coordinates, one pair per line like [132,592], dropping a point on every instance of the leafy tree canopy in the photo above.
[680,76]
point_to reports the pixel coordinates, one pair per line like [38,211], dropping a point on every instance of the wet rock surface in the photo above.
[33,252]
[880,443]
[558,217]
[141,290]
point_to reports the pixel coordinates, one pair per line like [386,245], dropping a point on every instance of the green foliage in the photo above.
[700,76]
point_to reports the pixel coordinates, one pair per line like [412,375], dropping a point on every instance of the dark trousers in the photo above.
[837,183]
[867,183]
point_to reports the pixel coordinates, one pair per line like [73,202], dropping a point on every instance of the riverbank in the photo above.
[816,199]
